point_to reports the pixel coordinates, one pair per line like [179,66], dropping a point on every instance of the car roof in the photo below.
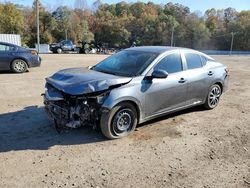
[162,49]
[155,49]
[66,41]
[6,43]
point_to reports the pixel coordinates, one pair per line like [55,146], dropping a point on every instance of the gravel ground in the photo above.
[192,148]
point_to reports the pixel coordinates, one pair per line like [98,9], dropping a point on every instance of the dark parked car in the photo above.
[134,86]
[63,46]
[17,59]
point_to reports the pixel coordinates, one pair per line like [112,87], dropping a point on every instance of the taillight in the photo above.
[33,52]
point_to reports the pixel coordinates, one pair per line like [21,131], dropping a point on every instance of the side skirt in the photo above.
[170,111]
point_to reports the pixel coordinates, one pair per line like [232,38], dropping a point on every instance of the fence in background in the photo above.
[9,38]
[43,49]
[221,52]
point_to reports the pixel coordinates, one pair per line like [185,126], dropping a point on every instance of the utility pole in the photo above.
[232,42]
[37,25]
[172,36]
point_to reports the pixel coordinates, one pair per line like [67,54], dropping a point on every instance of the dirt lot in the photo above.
[192,148]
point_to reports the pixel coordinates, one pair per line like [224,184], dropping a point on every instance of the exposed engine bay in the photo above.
[74,97]
[73,111]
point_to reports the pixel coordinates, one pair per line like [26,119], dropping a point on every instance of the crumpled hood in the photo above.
[77,81]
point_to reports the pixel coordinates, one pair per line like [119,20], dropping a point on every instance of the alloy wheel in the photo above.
[214,96]
[19,66]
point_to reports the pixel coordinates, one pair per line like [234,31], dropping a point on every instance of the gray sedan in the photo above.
[132,87]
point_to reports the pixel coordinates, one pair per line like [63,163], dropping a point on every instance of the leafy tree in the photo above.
[229,16]
[123,23]
[137,9]
[62,17]
[242,28]
[11,20]
[86,35]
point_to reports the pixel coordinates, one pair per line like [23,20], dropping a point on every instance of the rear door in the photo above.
[6,56]
[199,78]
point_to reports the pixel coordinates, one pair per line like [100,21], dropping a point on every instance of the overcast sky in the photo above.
[194,5]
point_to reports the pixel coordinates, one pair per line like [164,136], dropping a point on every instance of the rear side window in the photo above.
[171,63]
[193,61]
[4,48]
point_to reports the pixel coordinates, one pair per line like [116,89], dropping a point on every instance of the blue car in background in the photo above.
[17,58]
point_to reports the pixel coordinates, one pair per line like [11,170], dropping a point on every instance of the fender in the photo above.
[109,104]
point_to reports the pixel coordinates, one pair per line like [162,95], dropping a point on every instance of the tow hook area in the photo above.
[74,117]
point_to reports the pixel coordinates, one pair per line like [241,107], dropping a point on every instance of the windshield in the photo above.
[126,63]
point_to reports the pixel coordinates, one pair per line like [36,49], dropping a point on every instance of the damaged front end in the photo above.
[74,97]
[73,111]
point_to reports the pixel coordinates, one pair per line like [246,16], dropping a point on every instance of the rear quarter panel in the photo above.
[32,60]
[220,75]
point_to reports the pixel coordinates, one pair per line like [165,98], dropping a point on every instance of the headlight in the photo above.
[101,98]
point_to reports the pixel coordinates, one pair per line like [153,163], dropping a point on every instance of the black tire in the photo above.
[213,97]
[59,50]
[86,51]
[120,121]
[19,66]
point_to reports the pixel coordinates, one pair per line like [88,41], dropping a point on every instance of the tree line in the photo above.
[121,24]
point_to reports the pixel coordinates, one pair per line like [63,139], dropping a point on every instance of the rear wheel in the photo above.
[19,66]
[213,97]
[120,121]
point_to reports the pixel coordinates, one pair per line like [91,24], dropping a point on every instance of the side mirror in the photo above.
[159,73]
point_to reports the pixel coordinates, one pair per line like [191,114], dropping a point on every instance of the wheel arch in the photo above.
[131,100]
[108,114]
[135,105]
[220,84]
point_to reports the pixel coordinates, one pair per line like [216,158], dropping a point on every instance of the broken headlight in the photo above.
[101,98]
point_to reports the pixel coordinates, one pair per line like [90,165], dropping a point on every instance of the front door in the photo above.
[169,93]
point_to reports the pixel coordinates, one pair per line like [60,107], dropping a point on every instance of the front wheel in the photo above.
[213,97]
[120,121]
[19,66]
[59,50]
[86,51]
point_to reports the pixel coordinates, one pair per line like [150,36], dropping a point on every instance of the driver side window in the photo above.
[171,63]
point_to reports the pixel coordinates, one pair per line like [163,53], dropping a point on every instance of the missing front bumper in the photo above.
[65,113]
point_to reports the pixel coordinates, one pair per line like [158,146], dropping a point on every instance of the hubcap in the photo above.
[123,122]
[19,66]
[214,96]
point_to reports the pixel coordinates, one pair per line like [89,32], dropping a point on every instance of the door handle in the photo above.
[182,80]
[210,73]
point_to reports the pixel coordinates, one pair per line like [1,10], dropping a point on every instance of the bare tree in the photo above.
[96,5]
[81,4]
